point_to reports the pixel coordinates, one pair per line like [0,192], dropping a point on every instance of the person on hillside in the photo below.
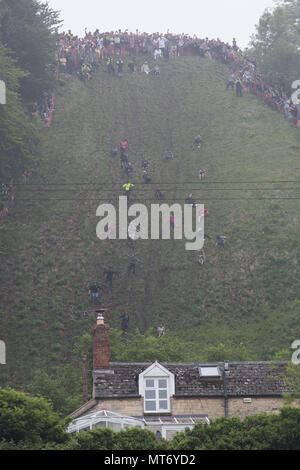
[155,71]
[201,257]
[221,240]
[191,201]
[124,160]
[131,67]
[157,54]
[132,264]
[109,275]
[145,68]
[159,194]
[26,175]
[145,164]
[161,330]
[114,152]
[203,212]
[129,168]
[168,155]
[123,146]
[124,321]
[202,174]
[198,141]
[127,187]
[120,64]
[238,87]
[94,290]
[110,66]
[231,82]
[146,177]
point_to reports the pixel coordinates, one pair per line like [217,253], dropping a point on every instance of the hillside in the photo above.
[246,292]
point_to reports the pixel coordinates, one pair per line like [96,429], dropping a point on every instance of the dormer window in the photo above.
[156,385]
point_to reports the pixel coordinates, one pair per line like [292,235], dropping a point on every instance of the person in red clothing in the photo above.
[123,145]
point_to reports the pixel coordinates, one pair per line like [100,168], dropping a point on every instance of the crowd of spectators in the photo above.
[83,55]
[76,54]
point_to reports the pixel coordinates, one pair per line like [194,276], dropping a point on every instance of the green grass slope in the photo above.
[245,292]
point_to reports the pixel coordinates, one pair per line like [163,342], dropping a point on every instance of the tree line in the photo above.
[276,44]
[28,37]
[31,424]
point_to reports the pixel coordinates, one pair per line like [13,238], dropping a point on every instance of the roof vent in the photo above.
[210,372]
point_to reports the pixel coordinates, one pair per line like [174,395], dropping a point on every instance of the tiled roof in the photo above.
[245,379]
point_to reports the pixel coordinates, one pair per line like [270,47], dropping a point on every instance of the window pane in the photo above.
[149,383]
[150,394]
[162,394]
[150,405]
[162,383]
[163,404]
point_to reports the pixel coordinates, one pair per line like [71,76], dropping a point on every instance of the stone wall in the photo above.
[212,407]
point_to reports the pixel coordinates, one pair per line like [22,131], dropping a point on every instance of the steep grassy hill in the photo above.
[246,292]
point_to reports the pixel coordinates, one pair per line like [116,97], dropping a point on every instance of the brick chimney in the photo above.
[101,349]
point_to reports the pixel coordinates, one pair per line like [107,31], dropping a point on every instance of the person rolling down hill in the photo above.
[221,240]
[168,155]
[132,265]
[201,257]
[145,164]
[114,152]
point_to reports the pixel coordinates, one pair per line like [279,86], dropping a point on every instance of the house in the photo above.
[168,397]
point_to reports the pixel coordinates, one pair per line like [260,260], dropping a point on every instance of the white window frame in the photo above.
[157,399]
[156,372]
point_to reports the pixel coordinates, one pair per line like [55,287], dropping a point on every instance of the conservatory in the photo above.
[105,419]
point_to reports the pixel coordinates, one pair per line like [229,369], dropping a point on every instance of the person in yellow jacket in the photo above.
[127,189]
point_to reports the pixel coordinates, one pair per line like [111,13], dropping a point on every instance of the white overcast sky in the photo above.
[205,18]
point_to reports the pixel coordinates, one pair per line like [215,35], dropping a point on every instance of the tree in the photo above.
[276,44]
[30,30]
[258,432]
[106,439]
[24,419]
[61,386]
[18,133]
[291,378]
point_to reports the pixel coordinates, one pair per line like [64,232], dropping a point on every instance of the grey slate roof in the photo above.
[245,379]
